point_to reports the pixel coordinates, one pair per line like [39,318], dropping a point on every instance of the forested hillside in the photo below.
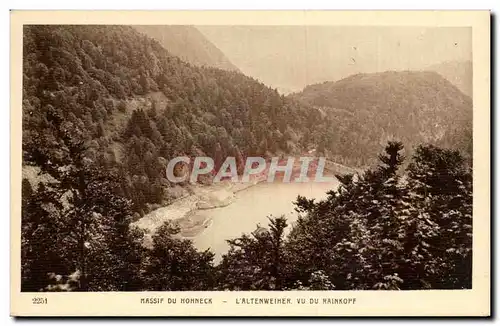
[386,229]
[136,106]
[187,43]
[369,109]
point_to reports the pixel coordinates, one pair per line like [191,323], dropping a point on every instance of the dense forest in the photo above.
[104,109]
[384,229]
[370,109]
[98,79]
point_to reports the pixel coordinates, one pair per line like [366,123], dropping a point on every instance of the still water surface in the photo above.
[251,207]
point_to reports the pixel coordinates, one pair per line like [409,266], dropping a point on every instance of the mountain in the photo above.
[369,109]
[457,72]
[187,43]
[291,57]
[135,106]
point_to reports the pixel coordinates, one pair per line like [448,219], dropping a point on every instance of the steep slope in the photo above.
[459,73]
[187,43]
[414,107]
[136,106]
[105,107]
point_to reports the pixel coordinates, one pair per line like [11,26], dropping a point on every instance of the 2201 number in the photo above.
[39,301]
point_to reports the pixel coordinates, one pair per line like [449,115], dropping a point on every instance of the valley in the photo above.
[106,107]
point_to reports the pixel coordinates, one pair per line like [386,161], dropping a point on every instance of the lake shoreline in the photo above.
[183,211]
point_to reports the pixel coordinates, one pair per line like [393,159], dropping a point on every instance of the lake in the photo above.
[251,207]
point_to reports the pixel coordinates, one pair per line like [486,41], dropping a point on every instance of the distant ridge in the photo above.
[459,73]
[412,106]
[187,43]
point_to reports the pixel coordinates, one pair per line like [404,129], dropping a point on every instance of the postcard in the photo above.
[250,163]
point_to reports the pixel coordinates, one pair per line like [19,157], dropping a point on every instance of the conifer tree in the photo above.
[256,261]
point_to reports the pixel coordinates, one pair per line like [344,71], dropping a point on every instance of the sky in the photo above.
[291,57]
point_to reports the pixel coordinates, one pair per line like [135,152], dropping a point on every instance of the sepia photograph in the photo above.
[271,158]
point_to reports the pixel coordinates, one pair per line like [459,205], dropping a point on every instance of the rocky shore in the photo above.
[183,211]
